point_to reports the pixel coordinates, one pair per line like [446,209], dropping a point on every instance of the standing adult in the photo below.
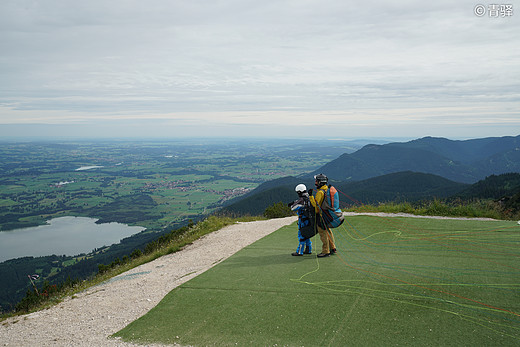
[306,220]
[321,205]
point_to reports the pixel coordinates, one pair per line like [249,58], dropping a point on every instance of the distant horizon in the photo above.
[51,139]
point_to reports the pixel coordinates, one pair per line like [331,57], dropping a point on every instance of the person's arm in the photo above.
[316,201]
[295,204]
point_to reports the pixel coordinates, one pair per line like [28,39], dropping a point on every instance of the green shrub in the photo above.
[435,208]
[278,210]
[136,253]
[102,268]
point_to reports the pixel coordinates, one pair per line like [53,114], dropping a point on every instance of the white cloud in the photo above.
[258,63]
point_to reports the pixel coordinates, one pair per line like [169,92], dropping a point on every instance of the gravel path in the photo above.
[98,312]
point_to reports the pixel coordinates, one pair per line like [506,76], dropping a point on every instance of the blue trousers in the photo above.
[303,244]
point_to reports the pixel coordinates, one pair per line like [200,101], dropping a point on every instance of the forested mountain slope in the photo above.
[462,161]
[400,186]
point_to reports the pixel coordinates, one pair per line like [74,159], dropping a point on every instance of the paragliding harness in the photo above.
[331,215]
[306,217]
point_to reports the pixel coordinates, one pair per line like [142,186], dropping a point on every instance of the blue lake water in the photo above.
[62,236]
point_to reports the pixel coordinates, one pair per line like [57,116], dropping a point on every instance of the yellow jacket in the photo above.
[320,196]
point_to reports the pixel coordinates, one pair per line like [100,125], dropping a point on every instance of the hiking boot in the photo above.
[296,254]
[322,255]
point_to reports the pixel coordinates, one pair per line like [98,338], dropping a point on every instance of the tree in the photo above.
[278,210]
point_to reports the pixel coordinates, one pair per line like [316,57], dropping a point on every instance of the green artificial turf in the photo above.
[394,281]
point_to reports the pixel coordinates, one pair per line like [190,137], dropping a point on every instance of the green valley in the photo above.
[151,184]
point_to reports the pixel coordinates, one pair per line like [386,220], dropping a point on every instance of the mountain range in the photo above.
[425,168]
[465,161]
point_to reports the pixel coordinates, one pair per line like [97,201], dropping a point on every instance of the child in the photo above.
[302,206]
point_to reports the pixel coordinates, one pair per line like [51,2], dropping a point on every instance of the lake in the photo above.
[83,168]
[62,236]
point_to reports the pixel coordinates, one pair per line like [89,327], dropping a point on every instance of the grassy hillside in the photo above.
[394,281]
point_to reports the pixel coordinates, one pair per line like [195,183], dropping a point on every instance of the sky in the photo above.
[271,68]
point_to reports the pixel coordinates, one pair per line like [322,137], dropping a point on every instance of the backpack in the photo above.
[331,214]
[306,218]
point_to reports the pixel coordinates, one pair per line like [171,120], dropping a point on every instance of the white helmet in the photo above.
[300,188]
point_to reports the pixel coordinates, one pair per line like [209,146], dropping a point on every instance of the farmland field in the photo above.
[151,184]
